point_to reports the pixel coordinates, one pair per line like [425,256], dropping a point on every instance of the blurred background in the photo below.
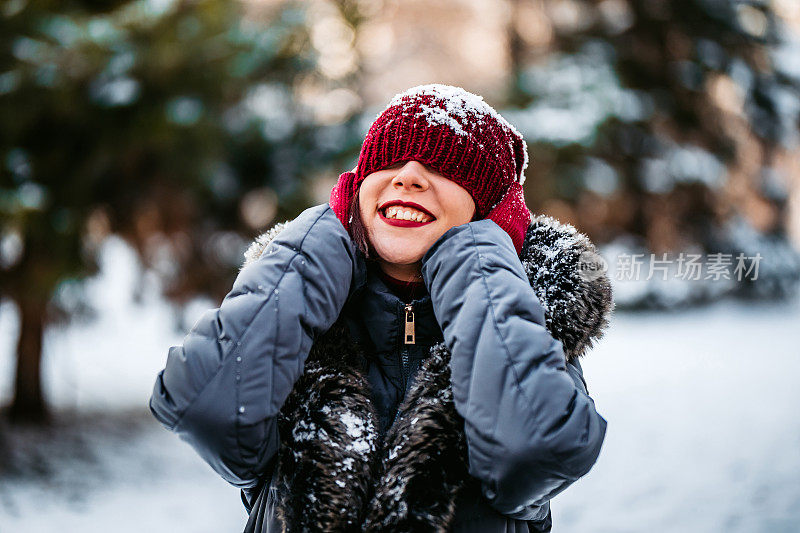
[144,144]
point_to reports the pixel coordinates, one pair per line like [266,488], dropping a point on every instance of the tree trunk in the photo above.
[516,49]
[28,404]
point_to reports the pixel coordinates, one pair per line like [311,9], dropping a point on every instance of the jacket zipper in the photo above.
[409,337]
[409,329]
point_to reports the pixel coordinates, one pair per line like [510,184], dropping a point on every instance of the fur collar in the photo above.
[332,474]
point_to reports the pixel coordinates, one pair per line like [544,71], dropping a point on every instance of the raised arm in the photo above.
[222,388]
[531,428]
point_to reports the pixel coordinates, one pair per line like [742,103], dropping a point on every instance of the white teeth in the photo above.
[406,214]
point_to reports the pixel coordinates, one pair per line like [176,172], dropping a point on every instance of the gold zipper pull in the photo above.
[409,338]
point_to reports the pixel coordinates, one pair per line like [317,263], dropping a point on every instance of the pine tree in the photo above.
[155,120]
[671,121]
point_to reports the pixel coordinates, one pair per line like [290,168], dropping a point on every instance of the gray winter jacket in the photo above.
[495,389]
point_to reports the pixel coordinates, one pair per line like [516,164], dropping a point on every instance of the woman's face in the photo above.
[405,209]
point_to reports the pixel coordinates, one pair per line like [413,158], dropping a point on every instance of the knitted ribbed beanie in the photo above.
[458,135]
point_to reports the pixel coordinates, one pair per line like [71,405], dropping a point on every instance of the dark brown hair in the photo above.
[358,232]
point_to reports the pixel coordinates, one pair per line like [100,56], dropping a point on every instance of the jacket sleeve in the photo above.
[531,428]
[221,390]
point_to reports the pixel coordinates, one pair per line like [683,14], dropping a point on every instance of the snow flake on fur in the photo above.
[361,431]
[576,308]
[261,242]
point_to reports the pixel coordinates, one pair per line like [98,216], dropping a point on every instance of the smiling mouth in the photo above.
[398,212]
[404,217]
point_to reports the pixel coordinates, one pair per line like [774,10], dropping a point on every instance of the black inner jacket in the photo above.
[376,318]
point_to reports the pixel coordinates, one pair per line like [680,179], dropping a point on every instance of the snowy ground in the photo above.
[703,432]
[703,428]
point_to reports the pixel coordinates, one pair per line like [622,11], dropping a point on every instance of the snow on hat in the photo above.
[458,135]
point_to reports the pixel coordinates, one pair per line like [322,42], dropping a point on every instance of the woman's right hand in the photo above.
[221,390]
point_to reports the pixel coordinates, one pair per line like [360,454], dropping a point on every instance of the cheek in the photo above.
[468,210]
[458,204]
[460,214]
[368,221]
[367,199]
[364,203]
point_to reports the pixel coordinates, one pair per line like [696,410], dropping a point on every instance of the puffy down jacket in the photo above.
[303,389]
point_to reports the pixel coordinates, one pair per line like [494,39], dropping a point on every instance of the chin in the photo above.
[400,251]
[400,257]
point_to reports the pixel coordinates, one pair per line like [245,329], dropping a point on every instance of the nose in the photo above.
[411,176]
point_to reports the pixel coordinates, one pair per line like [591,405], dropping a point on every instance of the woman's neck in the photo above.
[407,291]
[400,272]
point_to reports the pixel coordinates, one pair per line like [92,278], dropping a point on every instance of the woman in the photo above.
[403,358]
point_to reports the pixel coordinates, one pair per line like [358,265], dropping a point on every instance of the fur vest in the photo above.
[333,474]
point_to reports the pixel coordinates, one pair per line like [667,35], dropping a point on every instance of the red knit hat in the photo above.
[458,135]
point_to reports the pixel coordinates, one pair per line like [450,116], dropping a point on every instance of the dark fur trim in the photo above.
[332,473]
[424,458]
[577,306]
[328,430]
